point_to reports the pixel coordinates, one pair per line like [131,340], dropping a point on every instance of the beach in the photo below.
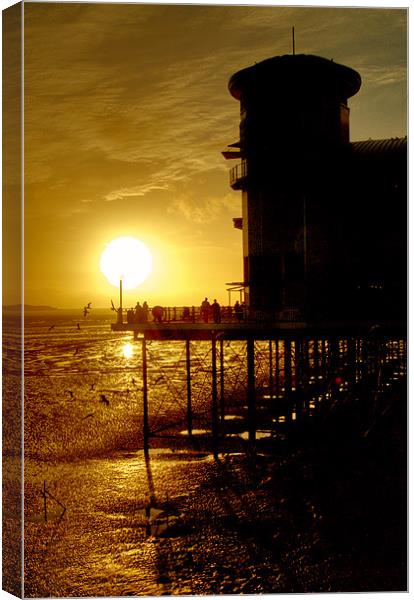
[322,511]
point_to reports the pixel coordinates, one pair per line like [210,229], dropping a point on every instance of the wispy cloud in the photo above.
[127,108]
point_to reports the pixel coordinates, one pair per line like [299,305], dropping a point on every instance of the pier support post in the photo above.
[271,369]
[222,408]
[189,407]
[277,373]
[288,366]
[145,396]
[251,392]
[214,411]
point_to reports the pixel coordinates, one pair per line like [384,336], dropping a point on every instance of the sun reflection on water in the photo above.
[127,350]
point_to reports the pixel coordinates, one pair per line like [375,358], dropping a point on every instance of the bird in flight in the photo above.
[86,309]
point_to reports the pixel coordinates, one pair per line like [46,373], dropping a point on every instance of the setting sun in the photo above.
[128,259]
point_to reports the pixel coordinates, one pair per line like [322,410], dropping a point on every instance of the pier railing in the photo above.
[184,314]
[195,314]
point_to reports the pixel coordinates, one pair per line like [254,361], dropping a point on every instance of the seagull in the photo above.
[92,386]
[51,327]
[104,400]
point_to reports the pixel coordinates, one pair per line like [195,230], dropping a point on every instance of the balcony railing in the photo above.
[238,174]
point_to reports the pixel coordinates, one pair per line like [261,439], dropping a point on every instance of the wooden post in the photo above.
[251,392]
[288,365]
[189,408]
[323,360]
[145,396]
[316,357]
[222,408]
[306,363]
[299,364]
[214,423]
[351,361]
[271,369]
[277,374]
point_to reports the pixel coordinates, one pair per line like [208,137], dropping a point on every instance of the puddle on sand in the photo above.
[260,434]
[196,432]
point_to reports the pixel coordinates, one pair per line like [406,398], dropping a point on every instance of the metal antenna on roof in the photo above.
[293,40]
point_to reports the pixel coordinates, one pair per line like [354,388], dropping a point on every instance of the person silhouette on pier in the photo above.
[205,310]
[216,311]
[238,311]
[139,313]
[145,311]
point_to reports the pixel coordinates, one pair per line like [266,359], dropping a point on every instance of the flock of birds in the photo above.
[103,399]
[86,311]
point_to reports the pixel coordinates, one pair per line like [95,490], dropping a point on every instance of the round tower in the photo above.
[294,131]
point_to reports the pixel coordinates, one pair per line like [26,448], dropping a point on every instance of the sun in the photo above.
[126,259]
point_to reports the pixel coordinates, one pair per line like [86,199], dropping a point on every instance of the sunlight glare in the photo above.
[128,259]
[127,350]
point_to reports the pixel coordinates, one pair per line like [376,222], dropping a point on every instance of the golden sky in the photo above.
[126,114]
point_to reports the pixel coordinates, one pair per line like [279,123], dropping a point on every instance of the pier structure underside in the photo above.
[227,384]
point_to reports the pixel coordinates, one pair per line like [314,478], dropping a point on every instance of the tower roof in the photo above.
[294,72]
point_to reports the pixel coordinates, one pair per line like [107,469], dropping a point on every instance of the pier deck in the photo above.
[182,330]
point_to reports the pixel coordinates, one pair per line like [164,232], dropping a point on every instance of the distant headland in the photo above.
[28,307]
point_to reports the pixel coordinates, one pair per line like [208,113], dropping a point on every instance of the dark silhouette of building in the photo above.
[323,219]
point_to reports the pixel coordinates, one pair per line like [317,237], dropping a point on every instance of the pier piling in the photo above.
[222,408]
[188,369]
[214,407]
[145,396]
[251,392]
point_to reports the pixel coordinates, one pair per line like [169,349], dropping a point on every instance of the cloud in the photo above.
[127,109]
[202,210]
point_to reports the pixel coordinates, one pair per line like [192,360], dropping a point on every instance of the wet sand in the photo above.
[321,509]
[319,514]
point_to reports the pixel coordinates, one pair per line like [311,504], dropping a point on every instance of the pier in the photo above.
[267,382]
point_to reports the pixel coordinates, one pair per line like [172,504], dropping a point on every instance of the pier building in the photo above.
[323,328]
[323,219]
